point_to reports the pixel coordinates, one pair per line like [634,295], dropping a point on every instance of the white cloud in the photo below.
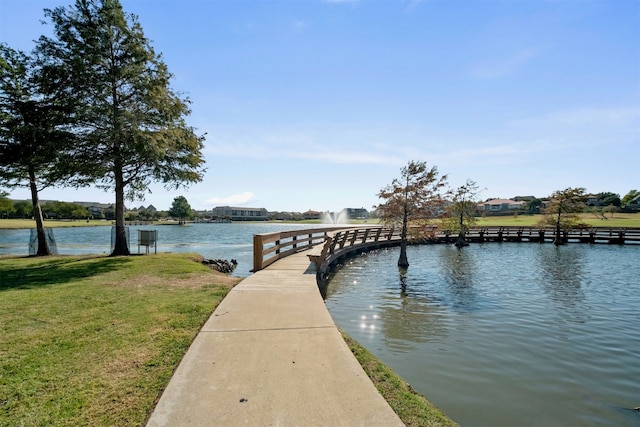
[502,67]
[315,143]
[245,198]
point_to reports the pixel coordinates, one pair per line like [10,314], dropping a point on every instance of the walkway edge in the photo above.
[270,354]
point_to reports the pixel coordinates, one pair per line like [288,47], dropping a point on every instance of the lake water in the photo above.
[504,334]
[495,334]
[213,241]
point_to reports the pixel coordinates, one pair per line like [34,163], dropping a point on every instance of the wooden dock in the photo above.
[326,246]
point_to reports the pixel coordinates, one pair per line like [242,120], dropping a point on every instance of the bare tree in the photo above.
[413,198]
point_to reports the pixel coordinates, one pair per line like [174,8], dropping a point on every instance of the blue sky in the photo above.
[313,104]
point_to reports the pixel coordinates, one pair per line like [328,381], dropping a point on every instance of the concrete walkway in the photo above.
[270,355]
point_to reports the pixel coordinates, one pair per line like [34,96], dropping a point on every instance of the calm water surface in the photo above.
[504,334]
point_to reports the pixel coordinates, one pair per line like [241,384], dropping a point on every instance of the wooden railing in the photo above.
[330,243]
[535,234]
[270,247]
[341,242]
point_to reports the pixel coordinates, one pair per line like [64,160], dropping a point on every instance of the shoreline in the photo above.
[619,220]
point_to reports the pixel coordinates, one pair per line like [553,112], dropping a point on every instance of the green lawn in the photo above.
[94,340]
[30,223]
[616,220]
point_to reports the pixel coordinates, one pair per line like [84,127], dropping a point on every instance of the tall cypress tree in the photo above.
[133,127]
[35,130]
[562,211]
[413,198]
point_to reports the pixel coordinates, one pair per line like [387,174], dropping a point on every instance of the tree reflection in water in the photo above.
[458,267]
[562,277]
[412,315]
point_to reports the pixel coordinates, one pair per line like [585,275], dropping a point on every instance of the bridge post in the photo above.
[257,252]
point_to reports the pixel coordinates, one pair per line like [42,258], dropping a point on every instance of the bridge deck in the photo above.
[271,355]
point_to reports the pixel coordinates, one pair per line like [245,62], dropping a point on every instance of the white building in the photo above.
[239,214]
[500,205]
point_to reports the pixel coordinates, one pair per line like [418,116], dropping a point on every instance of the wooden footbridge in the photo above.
[327,245]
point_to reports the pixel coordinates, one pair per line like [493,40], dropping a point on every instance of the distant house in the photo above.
[358,213]
[239,213]
[524,198]
[500,205]
[312,214]
[96,209]
[593,200]
[149,209]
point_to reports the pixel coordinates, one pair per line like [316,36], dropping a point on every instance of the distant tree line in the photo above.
[420,200]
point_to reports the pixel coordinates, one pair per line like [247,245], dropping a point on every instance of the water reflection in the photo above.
[562,271]
[407,315]
[458,267]
[410,320]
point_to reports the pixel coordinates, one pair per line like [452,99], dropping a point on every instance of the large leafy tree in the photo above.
[133,123]
[65,210]
[413,198]
[35,130]
[6,205]
[609,199]
[23,208]
[562,211]
[180,209]
[632,194]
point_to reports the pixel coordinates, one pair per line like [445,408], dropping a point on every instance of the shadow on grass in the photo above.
[54,271]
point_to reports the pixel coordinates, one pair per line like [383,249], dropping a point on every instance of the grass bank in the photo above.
[412,408]
[615,220]
[618,220]
[52,223]
[93,340]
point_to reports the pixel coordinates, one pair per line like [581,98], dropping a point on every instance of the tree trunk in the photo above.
[461,242]
[559,240]
[43,245]
[120,246]
[403,262]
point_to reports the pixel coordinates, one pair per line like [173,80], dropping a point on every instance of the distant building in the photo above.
[523,198]
[239,214]
[149,209]
[500,205]
[96,209]
[358,213]
[311,214]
